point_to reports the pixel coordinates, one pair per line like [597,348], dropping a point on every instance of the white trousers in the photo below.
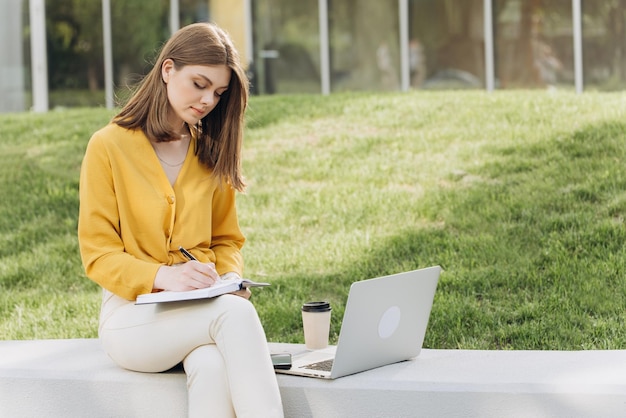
[221,343]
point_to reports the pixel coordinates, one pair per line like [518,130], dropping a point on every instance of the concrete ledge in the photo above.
[71,378]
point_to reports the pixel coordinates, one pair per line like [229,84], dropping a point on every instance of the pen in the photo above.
[187,254]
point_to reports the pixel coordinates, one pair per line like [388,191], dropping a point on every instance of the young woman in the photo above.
[163,174]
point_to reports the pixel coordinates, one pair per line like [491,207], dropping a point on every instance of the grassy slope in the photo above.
[520,196]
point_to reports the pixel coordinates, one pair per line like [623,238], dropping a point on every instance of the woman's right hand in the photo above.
[188,276]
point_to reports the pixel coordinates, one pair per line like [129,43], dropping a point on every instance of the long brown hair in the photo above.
[220,133]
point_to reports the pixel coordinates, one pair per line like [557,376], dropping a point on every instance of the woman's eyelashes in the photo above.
[204,86]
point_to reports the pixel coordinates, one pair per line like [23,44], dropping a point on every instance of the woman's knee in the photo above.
[239,307]
[238,315]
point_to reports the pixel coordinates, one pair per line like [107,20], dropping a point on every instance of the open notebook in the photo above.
[221,287]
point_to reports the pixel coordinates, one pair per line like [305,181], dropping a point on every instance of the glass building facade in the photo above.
[322,46]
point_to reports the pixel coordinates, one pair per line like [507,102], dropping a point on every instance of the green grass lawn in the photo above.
[519,196]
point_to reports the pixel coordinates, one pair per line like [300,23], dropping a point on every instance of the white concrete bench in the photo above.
[75,378]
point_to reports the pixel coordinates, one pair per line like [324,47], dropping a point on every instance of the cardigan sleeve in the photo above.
[101,246]
[227,239]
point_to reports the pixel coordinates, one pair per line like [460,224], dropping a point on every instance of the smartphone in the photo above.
[282,361]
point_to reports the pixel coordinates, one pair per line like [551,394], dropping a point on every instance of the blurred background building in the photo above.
[60,53]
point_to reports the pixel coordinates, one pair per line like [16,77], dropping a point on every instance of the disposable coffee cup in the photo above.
[316,324]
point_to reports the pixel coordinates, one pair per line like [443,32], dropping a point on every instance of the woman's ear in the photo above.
[166,68]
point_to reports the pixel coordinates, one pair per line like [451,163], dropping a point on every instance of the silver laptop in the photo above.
[384,322]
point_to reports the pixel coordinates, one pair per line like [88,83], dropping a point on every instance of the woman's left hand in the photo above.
[244,293]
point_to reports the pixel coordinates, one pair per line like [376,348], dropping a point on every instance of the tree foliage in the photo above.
[75,39]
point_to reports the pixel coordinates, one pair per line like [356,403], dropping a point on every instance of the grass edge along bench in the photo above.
[61,378]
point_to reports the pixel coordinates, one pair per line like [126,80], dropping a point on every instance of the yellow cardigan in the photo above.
[132,221]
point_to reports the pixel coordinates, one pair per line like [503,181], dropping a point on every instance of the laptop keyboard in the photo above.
[325,365]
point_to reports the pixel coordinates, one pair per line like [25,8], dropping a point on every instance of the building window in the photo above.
[286,47]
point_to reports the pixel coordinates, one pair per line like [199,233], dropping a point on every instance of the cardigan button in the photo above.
[170,199]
